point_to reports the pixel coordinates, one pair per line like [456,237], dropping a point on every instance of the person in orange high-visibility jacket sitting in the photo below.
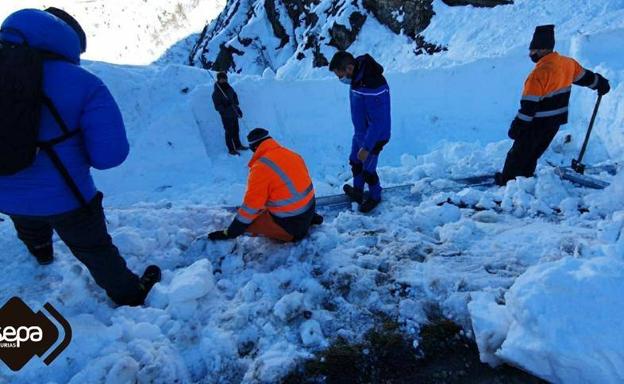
[280,201]
[544,103]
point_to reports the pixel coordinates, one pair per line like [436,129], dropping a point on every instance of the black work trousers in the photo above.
[232,133]
[530,145]
[85,233]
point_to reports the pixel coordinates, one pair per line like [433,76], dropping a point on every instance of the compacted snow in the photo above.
[534,271]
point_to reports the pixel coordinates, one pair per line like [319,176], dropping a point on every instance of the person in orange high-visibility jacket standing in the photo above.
[544,104]
[280,201]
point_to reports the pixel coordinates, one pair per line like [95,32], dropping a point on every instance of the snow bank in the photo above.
[461,112]
[561,321]
[177,138]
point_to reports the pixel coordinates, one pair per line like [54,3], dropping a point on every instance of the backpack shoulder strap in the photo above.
[48,148]
[67,133]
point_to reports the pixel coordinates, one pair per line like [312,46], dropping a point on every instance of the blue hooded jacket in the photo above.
[370,104]
[84,102]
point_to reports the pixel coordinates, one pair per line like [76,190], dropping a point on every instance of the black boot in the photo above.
[369,205]
[317,219]
[151,276]
[234,152]
[356,195]
[43,253]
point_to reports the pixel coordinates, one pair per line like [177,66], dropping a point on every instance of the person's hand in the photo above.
[218,235]
[240,112]
[603,86]
[362,155]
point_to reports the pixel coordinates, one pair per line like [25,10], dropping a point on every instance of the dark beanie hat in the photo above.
[73,23]
[544,37]
[257,135]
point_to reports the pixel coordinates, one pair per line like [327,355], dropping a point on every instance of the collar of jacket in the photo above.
[265,147]
[358,72]
[547,59]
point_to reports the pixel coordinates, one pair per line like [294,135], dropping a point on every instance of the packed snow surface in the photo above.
[535,269]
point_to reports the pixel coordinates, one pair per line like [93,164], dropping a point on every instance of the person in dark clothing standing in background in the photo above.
[225,102]
[56,191]
[544,104]
[370,113]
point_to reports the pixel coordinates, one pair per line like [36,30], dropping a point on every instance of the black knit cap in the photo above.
[73,23]
[256,136]
[544,37]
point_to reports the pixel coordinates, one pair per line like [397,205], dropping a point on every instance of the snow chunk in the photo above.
[565,321]
[124,371]
[311,333]
[490,323]
[268,74]
[289,306]
[129,241]
[192,283]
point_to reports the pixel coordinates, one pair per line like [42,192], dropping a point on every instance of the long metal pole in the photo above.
[577,164]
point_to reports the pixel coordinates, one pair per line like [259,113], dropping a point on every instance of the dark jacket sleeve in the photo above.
[103,129]
[587,78]
[237,228]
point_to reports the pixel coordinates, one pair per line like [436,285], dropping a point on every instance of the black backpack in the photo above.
[21,101]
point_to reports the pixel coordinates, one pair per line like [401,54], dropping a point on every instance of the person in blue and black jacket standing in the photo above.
[370,113]
[80,127]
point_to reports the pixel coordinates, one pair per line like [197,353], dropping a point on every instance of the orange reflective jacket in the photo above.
[547,90]
[278,182]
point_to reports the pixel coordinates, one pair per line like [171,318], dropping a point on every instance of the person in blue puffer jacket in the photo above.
[38,199]
[370,114]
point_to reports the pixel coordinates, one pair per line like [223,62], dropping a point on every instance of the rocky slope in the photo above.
[252,35]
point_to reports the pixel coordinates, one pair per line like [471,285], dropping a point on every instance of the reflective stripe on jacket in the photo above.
[278,182]
[547,90]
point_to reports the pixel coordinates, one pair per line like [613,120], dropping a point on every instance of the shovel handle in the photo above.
[589,130]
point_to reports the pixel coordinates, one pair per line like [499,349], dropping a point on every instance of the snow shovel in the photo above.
[577,164]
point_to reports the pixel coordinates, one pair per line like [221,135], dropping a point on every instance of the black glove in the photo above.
[240,112]
[218,235]
[518,127]
[603,86]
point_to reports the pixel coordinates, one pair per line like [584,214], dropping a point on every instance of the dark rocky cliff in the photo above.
[252,35]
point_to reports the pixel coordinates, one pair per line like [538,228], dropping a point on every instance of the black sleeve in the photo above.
[237,228]
[587,79]
[235,97]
